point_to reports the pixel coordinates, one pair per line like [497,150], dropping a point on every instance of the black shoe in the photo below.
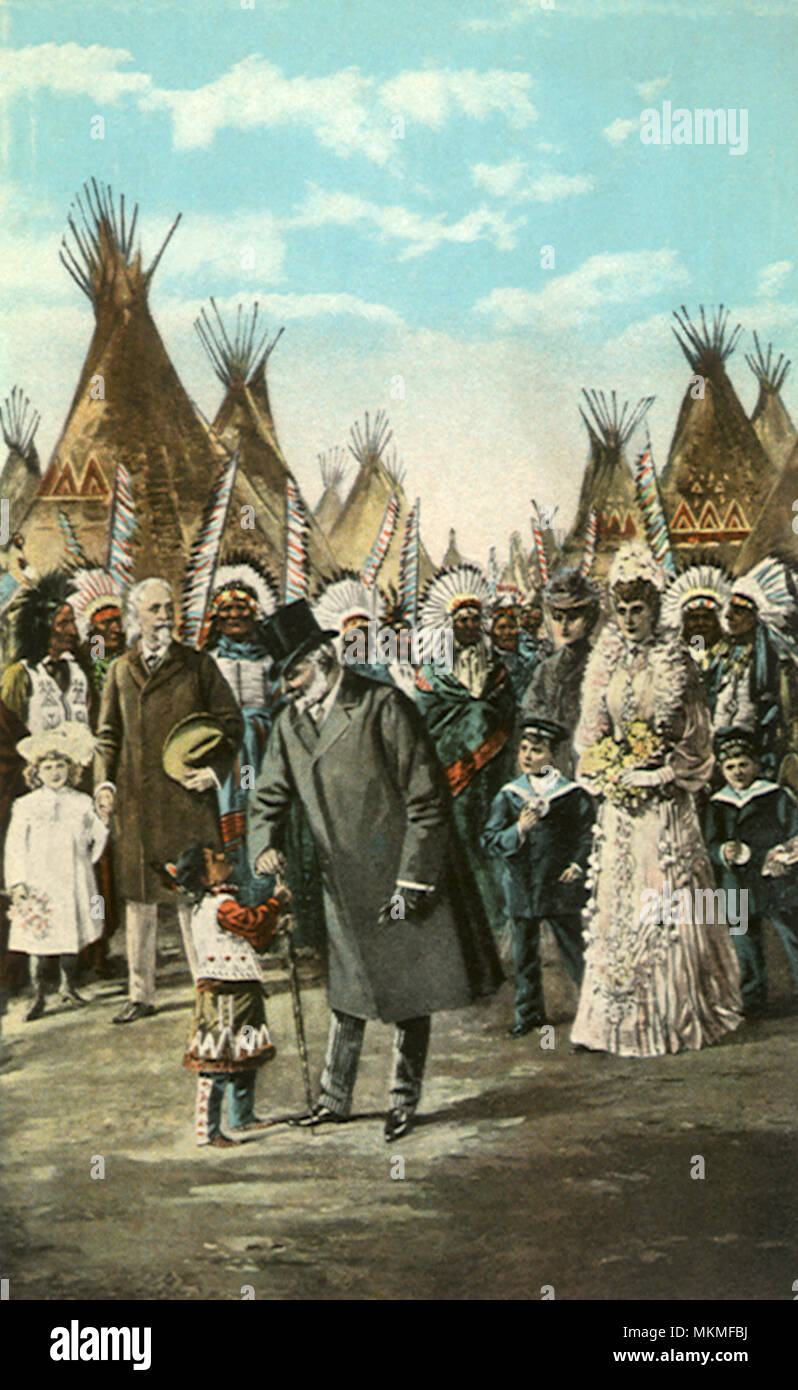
[519,1030]
[36,1009]
[397,1122]
[71,996]
[132,1011]
[320,1115]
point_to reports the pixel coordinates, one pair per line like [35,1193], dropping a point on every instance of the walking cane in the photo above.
[296,1001]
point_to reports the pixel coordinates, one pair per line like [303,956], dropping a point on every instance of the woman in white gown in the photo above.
[656,979]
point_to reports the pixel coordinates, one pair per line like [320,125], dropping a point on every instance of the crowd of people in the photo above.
[579,751]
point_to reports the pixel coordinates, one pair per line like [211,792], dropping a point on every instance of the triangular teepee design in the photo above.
[379,475]
[20,476]
[772,532]
[771,418]
[608,487]
[244,421]
[332,465]
[715,458]
[129,408]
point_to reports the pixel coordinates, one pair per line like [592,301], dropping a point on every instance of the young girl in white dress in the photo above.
[54,838]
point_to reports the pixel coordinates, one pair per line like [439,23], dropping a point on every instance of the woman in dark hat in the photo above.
[572,607]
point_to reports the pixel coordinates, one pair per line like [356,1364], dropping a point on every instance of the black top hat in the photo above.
[569,589]
[729,742]
[545,728]
[292,632]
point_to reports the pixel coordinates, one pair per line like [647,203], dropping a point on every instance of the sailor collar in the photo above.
[546,788]
[760,787]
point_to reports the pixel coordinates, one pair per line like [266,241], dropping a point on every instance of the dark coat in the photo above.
[379,814]
[156,818]
[555,692]
[767,816]
[532,866]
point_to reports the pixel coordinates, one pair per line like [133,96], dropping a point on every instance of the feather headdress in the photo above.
[705,586]
[462,586]
[36,608]
[95,589]
[346,600]
[250,581]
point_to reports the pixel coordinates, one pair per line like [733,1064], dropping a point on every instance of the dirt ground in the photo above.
[529,1169]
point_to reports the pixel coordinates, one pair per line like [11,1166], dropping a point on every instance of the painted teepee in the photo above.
[380,476]
[609,508]
[332,465]
[129,408]
[239,356]
[771,418]
[20,476]
[717,474]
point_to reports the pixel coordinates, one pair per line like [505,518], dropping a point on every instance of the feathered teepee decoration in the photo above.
[73,545]
[651,507]
[373,564]
[463,586]
[347,600]
[121,528]
[296,550]
[408,565]
[607,486]
[540,549]
[700,585]
[591,532]
[204,554]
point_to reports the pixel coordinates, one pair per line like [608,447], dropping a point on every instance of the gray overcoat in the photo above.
[379,812]
[156,818]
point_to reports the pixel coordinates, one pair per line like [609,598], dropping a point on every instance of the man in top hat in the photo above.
[404,931]
[154,688]
[554,691]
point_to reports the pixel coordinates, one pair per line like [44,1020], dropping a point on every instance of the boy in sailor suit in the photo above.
[229,1038]
[748,825]
[541,825]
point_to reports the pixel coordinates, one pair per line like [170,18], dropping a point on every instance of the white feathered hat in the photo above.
[462,586]
[243,576]
[95,589]
[700,586]
[347,600]
[634,561]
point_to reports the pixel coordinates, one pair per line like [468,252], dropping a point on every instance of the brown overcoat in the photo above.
[155,818]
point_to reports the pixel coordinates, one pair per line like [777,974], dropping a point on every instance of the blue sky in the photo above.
[273,130]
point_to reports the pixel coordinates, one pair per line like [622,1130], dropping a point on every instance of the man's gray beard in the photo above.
[161,639]
[315,692]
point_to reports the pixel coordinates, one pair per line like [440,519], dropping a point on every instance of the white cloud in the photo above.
[396,223]
[772,277]
[70,69]
[574,299]
[648,90]
[228,246]
[313,306]
[436,95]
[511,180]
[619,130]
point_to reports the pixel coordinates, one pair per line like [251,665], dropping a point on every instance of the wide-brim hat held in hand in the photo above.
[191,743]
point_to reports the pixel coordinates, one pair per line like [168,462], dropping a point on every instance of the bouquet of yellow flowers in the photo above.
[605,762]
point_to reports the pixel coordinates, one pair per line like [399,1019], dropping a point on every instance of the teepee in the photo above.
[608,501]
[771,419]
[380,475]
[20,476]
[772,532]
[452,556]
[718,473]
[129,407]
[332,465]
[244,420]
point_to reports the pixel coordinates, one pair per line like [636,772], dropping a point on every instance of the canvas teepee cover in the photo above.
[329,506]
[608,487]
[772,533]
[718,474]
[20,476]
[771,418]
[378,477]
[244,420]
[129,407]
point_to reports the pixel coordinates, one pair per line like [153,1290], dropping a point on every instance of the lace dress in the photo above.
[655,981]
